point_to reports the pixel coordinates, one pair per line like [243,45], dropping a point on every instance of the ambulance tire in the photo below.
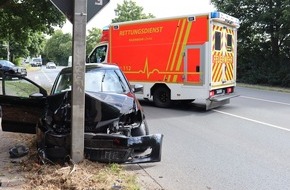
[161,97]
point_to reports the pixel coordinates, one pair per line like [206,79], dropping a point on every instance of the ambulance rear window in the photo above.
[229,42]
[217,41]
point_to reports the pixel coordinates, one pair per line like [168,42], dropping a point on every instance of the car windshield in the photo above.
[36,60]
[96,80]
[6,63]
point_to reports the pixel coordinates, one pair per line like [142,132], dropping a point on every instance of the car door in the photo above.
[22,102]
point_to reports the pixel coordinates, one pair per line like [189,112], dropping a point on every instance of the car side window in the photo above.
[18,87]
[64,83]
[99,54]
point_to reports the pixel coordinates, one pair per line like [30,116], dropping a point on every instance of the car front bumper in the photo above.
[106,148]
[120,149]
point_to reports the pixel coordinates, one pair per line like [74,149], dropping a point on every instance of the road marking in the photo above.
[49,80]
[253,120]
[264,100]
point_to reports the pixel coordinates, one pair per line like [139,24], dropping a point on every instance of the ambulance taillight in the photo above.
[211,93]
[230,90]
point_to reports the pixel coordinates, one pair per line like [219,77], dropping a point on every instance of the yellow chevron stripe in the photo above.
[228,73]
[173,44]
[175,78]
[185,39]
[180,57]
[177,48]
[173,49]
[178,44]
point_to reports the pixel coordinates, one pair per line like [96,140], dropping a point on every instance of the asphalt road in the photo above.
[244,145]
[44,77]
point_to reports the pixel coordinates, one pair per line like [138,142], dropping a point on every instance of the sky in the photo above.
[159,8]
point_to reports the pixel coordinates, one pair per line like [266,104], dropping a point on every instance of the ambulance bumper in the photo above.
[220,100]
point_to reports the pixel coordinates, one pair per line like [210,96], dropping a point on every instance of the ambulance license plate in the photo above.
[219,91]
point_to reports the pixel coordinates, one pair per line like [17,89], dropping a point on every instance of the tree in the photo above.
[36,43]
[93,38]
[264,39]
[21,19]
[129,11]
[59,47]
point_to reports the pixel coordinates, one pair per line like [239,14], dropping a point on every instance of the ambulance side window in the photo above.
[217,40]
[99,54]
[229,42]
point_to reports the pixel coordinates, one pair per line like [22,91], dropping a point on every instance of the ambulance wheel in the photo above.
[161,97]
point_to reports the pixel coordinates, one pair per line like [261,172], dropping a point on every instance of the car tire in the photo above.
[161,97]
[140,131]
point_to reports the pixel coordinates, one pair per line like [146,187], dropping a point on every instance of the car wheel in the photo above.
[161,97]
[141,131]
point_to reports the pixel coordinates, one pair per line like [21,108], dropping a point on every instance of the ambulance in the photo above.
[177,59]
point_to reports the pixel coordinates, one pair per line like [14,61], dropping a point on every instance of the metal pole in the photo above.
[8,52]
[78,66]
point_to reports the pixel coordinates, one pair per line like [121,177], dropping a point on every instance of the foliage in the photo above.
[18,61]
[59,47]
[33,46]
[93,38]
[129,11]
[36,44]
[263,40]
[23,23]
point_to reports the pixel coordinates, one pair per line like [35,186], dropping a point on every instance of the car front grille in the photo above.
[108,155]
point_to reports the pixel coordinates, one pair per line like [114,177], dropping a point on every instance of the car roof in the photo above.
[7,62]
[2,60]
[90,66]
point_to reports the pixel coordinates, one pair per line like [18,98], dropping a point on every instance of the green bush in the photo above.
[18,61]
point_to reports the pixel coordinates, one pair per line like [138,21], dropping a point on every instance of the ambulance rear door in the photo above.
[223,52]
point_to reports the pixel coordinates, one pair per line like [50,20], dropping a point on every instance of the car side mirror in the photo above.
[138,88]
[36,95]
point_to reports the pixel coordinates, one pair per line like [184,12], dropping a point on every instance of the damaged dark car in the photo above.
[115,125]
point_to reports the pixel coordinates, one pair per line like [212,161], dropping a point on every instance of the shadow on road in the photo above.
[192,107]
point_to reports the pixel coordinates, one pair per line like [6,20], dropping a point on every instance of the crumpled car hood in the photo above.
[101,109]
[125,103]
[107,120]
